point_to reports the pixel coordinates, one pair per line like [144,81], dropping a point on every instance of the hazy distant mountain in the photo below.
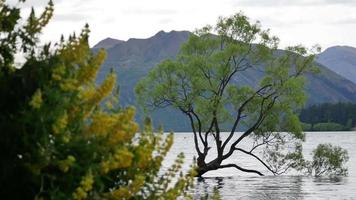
[133,59]
[340,59]
[107,43]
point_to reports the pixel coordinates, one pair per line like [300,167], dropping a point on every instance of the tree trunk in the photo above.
[202,167]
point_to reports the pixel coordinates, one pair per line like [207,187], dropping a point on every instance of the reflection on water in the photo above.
[233,184]
[252,188]
[271,187]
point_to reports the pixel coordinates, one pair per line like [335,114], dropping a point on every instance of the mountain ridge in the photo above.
[340,59]
[107,43]
[134,58]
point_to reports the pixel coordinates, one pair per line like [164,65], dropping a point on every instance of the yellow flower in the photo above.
[137,183]
[69,84]
[145,157]
[130,111]
[109,105]
[87,182]
[66,138]
[71,158]
[36,100]
[58,72]
[64,165]
[122,159]
[105,88]
[87,93]
[101,124]
[118,136]
[121,193]
[79,194]
[60,124]
[130,190]
[88,72]
[105,167]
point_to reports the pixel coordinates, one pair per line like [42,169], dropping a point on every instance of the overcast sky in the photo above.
[308,22]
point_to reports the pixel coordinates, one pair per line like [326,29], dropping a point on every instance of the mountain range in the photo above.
[133,59]
[340,59]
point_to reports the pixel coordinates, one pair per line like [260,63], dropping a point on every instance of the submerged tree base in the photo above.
[201,170]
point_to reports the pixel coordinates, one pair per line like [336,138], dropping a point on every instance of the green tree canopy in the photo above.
[328,159]
[203,83]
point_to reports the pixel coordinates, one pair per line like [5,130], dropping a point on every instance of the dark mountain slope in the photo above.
[134,58]
[340,59]
[107,43]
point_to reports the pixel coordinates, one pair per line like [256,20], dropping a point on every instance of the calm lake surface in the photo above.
[233,184]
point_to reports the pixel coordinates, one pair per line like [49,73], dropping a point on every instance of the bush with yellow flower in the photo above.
[62,135]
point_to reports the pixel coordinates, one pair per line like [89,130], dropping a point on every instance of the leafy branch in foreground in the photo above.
[204,83]
[58,140]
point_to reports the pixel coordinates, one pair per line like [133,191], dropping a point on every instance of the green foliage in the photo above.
[64,136]
[330,114]
[214,196]
[306,126]
[328,127]
[203,83]
[202,77]
[328,160]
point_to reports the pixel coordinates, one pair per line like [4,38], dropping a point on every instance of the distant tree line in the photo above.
[329,116]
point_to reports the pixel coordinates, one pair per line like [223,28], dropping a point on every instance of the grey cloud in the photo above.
[344,21]
[32,3]
[71,17]
[140,11]
[108,20]
[165,21]
[43,3]
[277,22]
[270,3]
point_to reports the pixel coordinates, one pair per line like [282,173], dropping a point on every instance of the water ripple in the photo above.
[233,184]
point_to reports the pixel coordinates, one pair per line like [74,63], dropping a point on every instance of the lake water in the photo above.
[233,184]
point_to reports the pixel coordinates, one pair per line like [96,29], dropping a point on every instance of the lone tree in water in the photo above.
[204,83]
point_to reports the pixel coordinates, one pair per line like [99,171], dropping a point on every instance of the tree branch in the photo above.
[239,112]
[240,168]
[266,141]
[261,118]
[194,132]
[261,161]
[199,127]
